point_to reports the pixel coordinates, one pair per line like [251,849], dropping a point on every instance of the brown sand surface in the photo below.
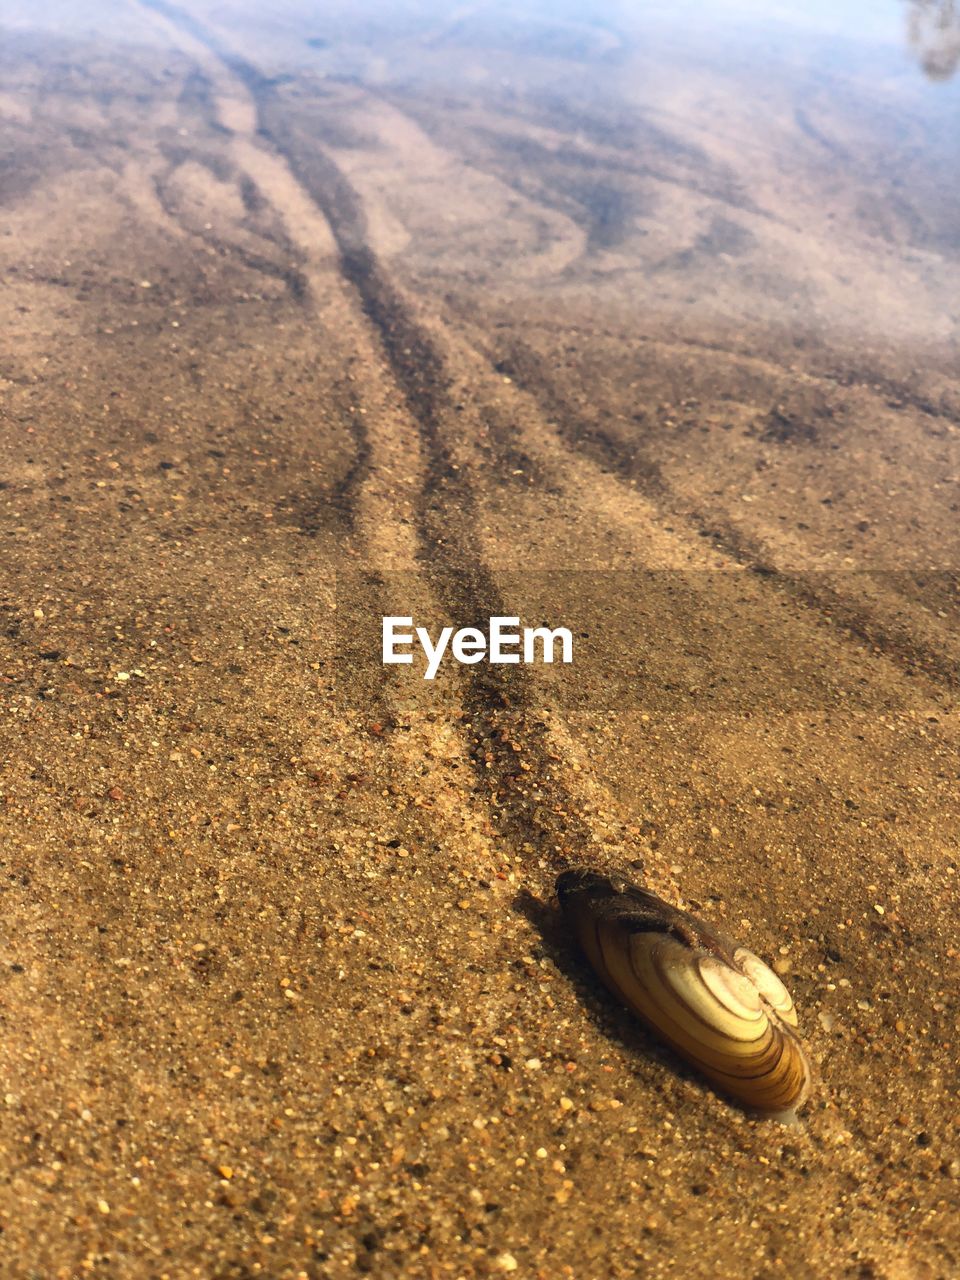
[313,313]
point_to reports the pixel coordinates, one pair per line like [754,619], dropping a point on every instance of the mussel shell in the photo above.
[715,1003]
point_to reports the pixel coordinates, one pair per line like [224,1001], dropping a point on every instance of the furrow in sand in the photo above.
[399,471]
[538,811]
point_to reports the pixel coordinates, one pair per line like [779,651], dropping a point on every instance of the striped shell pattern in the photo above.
[715,1003]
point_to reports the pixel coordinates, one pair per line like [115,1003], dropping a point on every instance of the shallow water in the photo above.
[640,319]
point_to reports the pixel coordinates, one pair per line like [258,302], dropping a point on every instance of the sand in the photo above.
[321,313]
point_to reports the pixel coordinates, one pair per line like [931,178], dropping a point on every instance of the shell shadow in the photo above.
[611,1018]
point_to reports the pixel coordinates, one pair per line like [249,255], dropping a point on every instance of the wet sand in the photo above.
[408,304]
